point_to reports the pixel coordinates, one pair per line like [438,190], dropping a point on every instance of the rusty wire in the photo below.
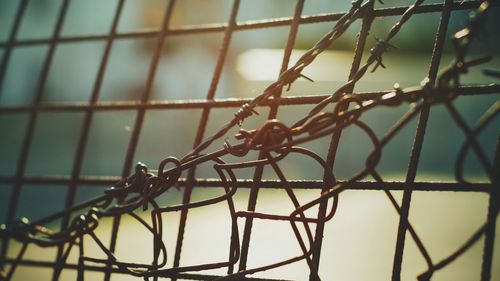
[275,141]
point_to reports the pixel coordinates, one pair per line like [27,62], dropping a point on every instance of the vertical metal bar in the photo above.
[202,126]
[12,37]
[84,133]
[292,35]
[334,142]
[3,67]
[418,141]
[493,207]
[252,200]
[30,128]
[141,111]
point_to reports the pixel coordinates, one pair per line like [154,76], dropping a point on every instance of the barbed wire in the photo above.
[276,140]
[290,75]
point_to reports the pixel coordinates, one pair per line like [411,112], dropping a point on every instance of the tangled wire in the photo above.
[275,141]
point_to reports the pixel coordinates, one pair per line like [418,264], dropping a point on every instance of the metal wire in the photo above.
[274,141]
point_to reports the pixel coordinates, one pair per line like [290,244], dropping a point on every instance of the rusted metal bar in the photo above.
[129,158]
[99,181]
[84,133]
[249,25]
[493,209]
[231,24]
[492,89]
[257,177]
[12,38]
[30,128]
[335,139]
[418,141]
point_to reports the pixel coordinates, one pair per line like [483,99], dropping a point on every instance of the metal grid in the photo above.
[141,106]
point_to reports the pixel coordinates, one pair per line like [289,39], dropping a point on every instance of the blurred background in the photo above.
[364,230]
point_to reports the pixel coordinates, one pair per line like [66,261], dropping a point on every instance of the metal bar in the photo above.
[129,158]
[335,139]
[12,38]
[84,133]
[257,177]
[493,207]
[247,183]
[241,26]
[203,124]
[475,90]
[3,67]
[418,141]
[185,276]
[30,128]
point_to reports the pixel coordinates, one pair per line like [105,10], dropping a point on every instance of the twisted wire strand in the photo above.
[375,57]
[290,75]
[455,70]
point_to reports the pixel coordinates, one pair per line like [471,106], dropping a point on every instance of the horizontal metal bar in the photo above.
[189,276]
[217,103]
[247,183]
[220,27]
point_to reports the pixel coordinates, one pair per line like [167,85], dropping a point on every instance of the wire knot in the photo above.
[272,133]
[378,50]
[18,229]
[244,112]
[132,184]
